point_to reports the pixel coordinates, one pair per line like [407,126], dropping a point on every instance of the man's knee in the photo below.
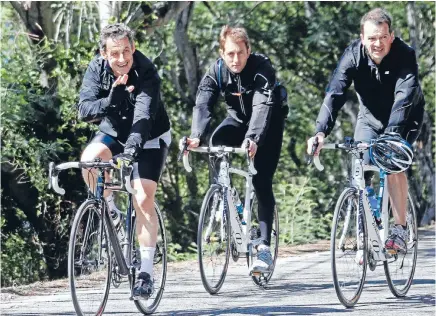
[95,150]
[145,192]
[397,177]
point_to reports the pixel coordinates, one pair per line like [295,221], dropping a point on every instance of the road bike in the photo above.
[223,231]
[100,253]
[358,237]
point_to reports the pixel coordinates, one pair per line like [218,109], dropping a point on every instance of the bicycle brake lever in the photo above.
[184,145]
[312,152]
[126,181]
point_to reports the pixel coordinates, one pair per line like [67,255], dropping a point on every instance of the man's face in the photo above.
[377,40]
[119,54]
[235,55]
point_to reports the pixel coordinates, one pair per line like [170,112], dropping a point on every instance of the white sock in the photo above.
[147,256]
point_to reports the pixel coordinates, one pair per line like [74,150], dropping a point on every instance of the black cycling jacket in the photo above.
[250,96]
[389,93]
[132,118]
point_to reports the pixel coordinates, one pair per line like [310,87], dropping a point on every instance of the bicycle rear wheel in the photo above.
[89,260]
[262,280]
[159,267]
[400,268]
[213,239]
[348,248]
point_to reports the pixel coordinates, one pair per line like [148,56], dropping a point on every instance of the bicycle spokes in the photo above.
[348,248]
[400,267]
[213,240]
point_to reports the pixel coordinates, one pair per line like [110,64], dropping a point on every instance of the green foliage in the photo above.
[21,257]
[176,252]
[304,40]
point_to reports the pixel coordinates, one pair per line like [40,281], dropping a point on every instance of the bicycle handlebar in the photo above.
[55,170]
[215,149]
[357,146]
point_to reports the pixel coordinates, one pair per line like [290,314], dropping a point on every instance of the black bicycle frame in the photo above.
[113,238]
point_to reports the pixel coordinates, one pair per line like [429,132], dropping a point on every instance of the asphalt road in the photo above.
[302,285]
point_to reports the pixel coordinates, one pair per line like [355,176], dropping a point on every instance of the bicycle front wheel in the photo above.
[89,260]
[348,248]
[149,306]
[213,239]
[400,267]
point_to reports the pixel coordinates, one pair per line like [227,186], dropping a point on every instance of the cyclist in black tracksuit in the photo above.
[121,90]
[385,75]
[255,113]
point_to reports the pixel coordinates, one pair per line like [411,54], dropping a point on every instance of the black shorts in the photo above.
[150,162]
[366,131]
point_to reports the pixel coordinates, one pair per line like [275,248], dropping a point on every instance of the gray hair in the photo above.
[377,16]
[116,31]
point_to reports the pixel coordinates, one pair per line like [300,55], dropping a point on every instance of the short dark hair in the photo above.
[377,16]
[115,31]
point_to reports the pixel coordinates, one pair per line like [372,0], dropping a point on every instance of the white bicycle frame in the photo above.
[239,232]
[376,236]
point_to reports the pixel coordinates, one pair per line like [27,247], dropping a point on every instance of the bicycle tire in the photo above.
[346,246]
[86,264]
[149,306]
[215,195]
[391,265]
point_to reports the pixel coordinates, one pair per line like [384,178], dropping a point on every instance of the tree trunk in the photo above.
[104,12]
[37,17]
[411,21]
[187,51]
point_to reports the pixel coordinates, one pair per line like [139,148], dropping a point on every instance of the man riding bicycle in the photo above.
[255,118]
[121,90]
[385,75]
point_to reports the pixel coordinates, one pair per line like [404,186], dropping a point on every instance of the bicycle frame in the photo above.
[124,263]
[376,236]
[239,232]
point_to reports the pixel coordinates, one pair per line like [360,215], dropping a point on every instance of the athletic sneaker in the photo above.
[144,286]
[263,262]
[397,239]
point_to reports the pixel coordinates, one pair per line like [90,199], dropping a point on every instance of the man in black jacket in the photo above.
[121,90]
[385,75]
[247,81]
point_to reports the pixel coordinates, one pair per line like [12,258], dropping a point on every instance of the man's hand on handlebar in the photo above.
[122,160]
[193,142]
[251,145]
[315,143]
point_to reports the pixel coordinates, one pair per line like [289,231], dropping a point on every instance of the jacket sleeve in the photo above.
[407,94]
[146,105]
[263,102]
[91,107]
[336,92]
[207,96]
